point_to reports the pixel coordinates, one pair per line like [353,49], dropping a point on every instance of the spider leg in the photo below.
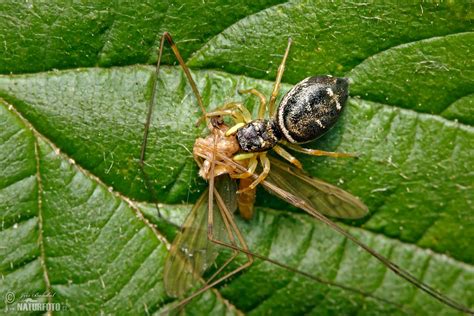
[276,87]
[282,152]
[236,115]
[263,101]
[266,169]
[252,165]
[234,107]
[239,113]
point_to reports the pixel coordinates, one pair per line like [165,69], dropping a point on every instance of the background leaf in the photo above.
[70,144]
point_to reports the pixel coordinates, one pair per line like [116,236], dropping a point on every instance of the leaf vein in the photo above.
[41,222]
[132,276]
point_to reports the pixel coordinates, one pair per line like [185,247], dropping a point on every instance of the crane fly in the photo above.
[235,153]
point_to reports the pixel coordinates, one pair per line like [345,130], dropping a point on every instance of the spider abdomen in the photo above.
[311,108]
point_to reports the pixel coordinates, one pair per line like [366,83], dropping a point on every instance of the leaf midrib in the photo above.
[217,71]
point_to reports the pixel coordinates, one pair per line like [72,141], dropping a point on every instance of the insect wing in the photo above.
[191,252]
[324,197]
[226,188]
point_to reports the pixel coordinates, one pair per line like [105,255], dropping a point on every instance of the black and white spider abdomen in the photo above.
[311,108]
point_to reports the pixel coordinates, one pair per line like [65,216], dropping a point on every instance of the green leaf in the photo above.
[70,142]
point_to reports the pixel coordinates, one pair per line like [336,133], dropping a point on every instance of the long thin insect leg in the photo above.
[224,213]
[230,226]
[251,256]
[232,241]
[227,214]
[222,267]
[210,202]
[147,128]
[276,87]
[210,215]
[318,279]
[389,264]
[221,279]
[152,103]
[193,85]
[166,36]
[210,219]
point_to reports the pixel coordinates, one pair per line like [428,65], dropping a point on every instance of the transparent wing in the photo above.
[191,252]
[324,197]
[227,189]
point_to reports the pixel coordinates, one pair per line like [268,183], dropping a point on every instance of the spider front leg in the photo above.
[239,113]
[235,109]
[263,101]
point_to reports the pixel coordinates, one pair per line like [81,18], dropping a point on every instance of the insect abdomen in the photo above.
[311,108]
